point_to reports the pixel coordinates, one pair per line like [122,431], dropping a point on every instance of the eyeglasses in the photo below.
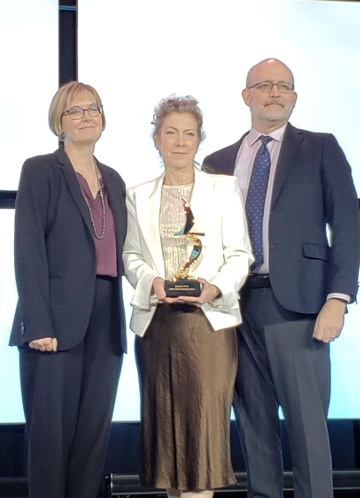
[75,113]
[267,86]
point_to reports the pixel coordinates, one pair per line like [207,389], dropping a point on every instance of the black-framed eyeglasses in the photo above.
[267,86]
[94,110]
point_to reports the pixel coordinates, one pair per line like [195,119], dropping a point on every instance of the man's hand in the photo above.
[47,344]
[330,321]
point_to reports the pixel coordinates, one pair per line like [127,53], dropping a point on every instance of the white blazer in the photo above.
[226,254]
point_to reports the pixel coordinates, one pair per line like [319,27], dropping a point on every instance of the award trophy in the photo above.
[183,284]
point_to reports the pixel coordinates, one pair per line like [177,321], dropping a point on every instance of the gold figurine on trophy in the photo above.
[183,284]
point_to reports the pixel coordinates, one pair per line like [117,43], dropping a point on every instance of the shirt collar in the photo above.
[276,135]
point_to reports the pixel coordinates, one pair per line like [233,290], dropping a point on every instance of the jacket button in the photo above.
[22,328]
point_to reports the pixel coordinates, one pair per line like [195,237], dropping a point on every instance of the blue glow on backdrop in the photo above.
[143,51]
[29,78]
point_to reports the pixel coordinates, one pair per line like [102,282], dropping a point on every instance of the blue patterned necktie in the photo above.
[256,199]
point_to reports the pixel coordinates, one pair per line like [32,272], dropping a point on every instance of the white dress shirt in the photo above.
[243,169]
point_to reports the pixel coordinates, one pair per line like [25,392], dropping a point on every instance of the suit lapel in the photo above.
[73,185]
[291,142]
[229,164]
[148,212]
[228,167]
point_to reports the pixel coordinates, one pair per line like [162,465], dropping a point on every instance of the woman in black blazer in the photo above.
[69,325]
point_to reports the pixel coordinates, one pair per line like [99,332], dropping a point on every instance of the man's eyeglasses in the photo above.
[93,110]
[267,86]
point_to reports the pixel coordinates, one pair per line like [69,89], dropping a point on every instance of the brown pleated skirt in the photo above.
[187,373]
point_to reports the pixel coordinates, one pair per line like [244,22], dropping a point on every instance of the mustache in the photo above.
[274,101]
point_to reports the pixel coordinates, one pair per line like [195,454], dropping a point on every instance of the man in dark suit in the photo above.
[304,276]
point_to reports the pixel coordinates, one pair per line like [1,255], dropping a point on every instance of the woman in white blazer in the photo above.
[185,346]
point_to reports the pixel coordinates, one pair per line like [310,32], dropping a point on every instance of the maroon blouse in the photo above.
[105,248]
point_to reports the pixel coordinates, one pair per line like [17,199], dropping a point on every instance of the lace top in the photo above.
[172,219]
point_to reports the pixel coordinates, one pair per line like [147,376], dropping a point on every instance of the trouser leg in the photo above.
[68,400]
[280,363]
[256,410]
[50,385]
[300,368]
[102,364]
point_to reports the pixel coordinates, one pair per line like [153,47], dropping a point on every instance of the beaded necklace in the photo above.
[101,193]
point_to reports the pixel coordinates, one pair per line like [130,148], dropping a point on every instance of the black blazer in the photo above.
[55,253]
[313,187]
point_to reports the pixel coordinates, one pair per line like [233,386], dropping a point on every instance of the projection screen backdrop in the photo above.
[136,53]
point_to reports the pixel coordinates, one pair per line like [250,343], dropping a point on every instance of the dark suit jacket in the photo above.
[313,187]
[55,258]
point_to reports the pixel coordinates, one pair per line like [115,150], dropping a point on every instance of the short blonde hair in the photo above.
[62,101]
[175,103]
